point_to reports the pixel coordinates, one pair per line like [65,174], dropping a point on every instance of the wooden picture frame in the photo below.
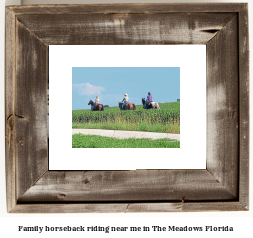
[222,186]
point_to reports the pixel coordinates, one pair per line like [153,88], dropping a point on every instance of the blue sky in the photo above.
[111,83]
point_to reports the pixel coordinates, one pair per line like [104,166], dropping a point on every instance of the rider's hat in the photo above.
[126,94]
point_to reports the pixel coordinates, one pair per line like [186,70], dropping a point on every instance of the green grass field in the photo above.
[167,119]
[91,141]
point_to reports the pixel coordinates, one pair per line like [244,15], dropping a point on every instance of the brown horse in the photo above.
[128,106]
[98,107]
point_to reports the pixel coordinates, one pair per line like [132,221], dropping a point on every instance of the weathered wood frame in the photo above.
[222,186]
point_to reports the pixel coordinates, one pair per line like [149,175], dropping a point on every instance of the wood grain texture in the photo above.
[129,207]
[139,185]
[244,106]
[223,186]
[222,107]
[9,109]
[129,8]
[30,108]
[186,207]
[121,29]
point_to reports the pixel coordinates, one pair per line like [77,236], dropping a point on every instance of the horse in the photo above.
[128,106]
[98,107]
[151,105]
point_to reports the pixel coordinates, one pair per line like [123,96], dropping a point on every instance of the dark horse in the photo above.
[98,107]
[151,105]
[128,106]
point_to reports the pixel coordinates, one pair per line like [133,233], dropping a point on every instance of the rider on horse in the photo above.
[149,100]
[125,101]
[95,104]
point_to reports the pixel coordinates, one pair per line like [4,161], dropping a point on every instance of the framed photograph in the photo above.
[60,58]
[166,133]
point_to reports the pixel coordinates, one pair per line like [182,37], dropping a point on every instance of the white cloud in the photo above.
[88,89]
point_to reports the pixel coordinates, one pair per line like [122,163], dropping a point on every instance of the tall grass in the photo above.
[167,119]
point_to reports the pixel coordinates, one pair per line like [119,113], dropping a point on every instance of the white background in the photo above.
[192,62]
[242,221]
